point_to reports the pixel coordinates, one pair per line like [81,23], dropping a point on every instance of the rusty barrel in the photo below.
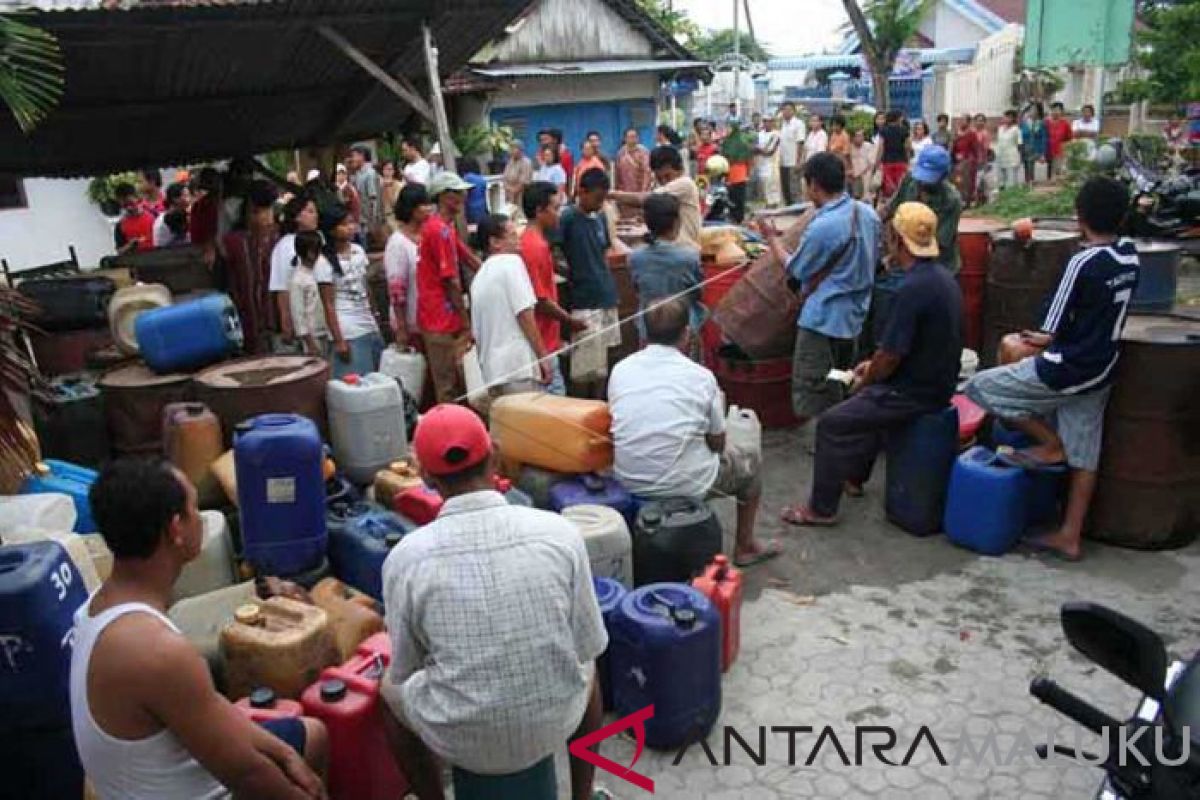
[134,399]
[1148,489]
[247,387]
[1021,277]
[975,251]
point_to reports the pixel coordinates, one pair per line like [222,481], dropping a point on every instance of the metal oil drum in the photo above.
[1148,490]
[1021,277]
[244,388]
[134,399]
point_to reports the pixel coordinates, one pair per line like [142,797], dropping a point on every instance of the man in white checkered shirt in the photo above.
[494,624]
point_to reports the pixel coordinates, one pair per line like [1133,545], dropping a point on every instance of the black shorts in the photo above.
[289,730]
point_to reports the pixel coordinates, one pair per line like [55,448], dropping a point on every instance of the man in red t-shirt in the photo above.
[540,203]
[135,229]
[441,311]
[1058,133]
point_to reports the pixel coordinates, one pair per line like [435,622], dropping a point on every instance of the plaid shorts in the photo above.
[1015,391]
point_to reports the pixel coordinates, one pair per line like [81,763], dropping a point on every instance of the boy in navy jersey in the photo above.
[1070,378]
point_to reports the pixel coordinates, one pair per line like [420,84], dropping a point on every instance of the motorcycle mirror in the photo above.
[1181,709]
[1124,647]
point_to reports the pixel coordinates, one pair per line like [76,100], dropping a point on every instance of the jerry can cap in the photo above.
[392,539]
[262,697]
[41,469]
[333,690]
[248,614]
[354,379]
[684,617]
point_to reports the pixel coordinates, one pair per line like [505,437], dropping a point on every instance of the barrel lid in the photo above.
[260,371]
[262,697]
[249,614]
[1039,235]
[1163,329]
[333,690]
[136,376]
[980,225]
[1156,246]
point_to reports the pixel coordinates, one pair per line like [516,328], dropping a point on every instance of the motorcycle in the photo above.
[1162,206]
[1170,708]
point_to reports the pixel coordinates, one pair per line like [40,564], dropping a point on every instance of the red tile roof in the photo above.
[1007,10]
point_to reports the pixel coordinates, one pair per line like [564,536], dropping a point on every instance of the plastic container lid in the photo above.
[332,690]
[262,697]
[249,614]
[353,379]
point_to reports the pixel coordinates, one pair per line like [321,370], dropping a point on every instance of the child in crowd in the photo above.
[862,165]
[664,269]
[304,296]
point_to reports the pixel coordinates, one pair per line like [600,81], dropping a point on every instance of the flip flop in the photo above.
[773,550]
[804,516]
[1038,546]
[1020,459]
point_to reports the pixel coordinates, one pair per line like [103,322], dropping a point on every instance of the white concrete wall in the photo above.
[951,29]
[57,214]
[985,86]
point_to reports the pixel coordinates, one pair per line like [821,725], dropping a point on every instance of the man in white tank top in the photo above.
[148,722]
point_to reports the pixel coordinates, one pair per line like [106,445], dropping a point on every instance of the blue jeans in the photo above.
[557,384]
[365,352]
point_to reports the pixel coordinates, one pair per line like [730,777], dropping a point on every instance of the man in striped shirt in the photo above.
[1069,380]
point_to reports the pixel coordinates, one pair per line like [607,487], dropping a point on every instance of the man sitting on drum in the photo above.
[1065,370]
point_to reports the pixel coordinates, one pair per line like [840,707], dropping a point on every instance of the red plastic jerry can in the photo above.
[722,584]
[263,705]
[420,504]
[346,699]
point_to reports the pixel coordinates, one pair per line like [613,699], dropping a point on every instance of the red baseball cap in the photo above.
[449,439]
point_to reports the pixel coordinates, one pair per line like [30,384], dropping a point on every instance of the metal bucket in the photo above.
[1158,278]
[134,399]
[1021,277]
[1148,490]
[247,387]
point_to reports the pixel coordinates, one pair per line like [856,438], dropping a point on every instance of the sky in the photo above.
[785,27]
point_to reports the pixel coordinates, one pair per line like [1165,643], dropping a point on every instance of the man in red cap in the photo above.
[494,624]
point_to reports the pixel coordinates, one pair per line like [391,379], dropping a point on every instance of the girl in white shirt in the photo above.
[304,295]
[919,140]
[413,207]
[550,170]
[357,343]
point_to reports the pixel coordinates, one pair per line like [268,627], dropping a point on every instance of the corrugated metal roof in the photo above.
[956,55]
[558,68]
[176,82]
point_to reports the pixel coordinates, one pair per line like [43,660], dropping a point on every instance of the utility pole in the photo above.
[435,94]
[737,52]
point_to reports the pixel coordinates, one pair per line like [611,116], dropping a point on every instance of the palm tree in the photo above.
[31,71]
[884,27]
[31,85]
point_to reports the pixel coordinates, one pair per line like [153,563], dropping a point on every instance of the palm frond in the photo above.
[18,447]
[31,71]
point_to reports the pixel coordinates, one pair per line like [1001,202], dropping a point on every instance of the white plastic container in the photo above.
[52,511]
[406,365]
[75,545]
[477,395]
[968,366]
[743,432]
[366,424]
[201,619]
[214,568]
[126,305]
[609,545]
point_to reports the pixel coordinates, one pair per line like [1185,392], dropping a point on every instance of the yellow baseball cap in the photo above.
[917,225]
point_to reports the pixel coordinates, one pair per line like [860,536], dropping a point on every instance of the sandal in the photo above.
[804,516]
[1040,546]
[772,550]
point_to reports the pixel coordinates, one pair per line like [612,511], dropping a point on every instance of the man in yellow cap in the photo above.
[913,372]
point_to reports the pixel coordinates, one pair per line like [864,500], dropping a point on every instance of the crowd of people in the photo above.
[1017,150]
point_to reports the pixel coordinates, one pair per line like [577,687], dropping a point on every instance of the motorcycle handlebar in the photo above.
[1071,706]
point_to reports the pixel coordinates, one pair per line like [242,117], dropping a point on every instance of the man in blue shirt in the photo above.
[585,241]
[913,372]
[1070,378]
[834,267]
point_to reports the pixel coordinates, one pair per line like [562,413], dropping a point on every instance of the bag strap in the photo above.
[815,282]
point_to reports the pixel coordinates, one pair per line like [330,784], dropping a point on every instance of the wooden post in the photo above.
[398,86]
[439,107]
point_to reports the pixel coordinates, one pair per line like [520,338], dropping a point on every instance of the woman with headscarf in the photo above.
[632,170]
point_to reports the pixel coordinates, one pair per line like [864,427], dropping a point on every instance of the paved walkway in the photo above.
[865,625]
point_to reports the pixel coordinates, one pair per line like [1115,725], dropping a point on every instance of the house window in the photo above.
[12,192]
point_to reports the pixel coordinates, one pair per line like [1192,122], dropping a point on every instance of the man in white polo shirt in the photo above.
[791,139]
[668,429]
